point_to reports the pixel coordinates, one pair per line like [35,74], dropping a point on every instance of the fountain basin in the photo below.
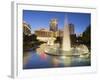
[74,52]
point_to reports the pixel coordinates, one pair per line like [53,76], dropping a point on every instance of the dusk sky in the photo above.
[41,19]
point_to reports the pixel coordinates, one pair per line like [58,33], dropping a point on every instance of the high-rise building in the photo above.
[53,25]
[71,29]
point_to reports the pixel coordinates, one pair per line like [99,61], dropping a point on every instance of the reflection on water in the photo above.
[39,59]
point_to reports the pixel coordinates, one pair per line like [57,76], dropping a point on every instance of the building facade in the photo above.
[44,35]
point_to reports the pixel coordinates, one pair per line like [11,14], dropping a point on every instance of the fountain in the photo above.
[66,46]
[66,49]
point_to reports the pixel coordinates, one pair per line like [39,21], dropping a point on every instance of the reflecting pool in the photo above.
[36,59]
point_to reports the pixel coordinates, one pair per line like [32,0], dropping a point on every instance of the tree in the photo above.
[73,39]
[58,40]
[87,36]
[33,37]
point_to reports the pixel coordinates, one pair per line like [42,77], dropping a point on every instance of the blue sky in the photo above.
[41,19]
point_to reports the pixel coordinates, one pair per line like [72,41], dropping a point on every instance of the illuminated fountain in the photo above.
[66,46]
[66,49]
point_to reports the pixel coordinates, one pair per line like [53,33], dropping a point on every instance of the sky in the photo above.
[41,19]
